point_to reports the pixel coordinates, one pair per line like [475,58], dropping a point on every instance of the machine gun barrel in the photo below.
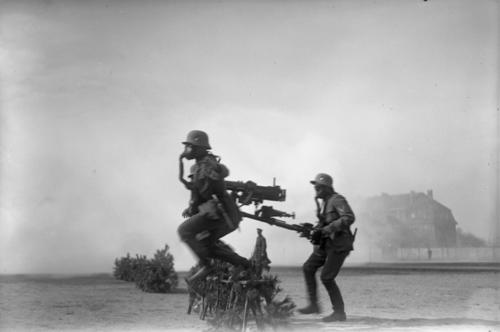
[269,212]
[304,229]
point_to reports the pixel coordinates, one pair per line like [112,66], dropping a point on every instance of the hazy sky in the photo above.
[96,97]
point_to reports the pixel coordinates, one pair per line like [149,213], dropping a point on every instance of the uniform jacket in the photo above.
[336,208]
[208,180]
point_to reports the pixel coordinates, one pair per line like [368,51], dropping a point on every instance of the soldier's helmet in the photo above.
[197,138]
[323,179]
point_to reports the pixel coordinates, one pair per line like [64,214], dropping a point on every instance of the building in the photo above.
[412,220]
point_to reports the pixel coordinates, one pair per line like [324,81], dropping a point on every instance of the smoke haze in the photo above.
[96,97]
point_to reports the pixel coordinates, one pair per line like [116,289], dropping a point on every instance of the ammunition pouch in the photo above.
[231,208]
[225,210]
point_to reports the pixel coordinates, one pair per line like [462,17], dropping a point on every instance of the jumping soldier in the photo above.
[335,218]
[211,213]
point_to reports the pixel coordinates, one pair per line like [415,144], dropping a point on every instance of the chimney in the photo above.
[430,194]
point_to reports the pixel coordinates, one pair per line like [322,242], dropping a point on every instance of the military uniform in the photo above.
[259,256]
[213,213]
[335,217]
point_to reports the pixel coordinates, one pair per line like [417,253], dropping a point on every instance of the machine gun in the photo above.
[249,192]
[306,230]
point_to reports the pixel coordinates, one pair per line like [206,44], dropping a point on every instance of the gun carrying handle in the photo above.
[248,199]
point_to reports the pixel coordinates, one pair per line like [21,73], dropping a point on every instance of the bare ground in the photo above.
[377,299]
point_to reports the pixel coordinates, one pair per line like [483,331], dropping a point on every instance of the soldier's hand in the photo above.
[188,185]
[325,231]
[187,213]
[316,236]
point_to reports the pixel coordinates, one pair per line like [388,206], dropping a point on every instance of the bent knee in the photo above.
[308,268]
[181,230]
[326,280]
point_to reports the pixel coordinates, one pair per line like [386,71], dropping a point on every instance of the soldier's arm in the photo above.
[219,187]
[215,173]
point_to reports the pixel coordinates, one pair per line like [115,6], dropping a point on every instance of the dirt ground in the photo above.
[376,300]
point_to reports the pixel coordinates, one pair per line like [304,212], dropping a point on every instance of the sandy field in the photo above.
[378,298]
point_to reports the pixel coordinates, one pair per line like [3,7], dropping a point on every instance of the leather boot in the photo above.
[312,308]
[200,274]
[336,316]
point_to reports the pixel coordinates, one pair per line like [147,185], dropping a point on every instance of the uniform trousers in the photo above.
[331,260]
[202,235]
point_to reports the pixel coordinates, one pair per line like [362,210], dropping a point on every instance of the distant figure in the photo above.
[259,256]
[429,253]
[336,240]
[211,213]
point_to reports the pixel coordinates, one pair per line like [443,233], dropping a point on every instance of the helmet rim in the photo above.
[323,179]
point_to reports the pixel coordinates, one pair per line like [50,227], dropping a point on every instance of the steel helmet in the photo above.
[197,138]
[323,179]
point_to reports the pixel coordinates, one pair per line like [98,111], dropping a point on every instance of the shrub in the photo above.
[230,298]
[156,275]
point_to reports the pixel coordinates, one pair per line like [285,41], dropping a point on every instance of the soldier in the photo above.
[259,256]
[335,218]
[211,213]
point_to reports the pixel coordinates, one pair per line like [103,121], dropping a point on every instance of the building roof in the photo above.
[403,200]
[412,200]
